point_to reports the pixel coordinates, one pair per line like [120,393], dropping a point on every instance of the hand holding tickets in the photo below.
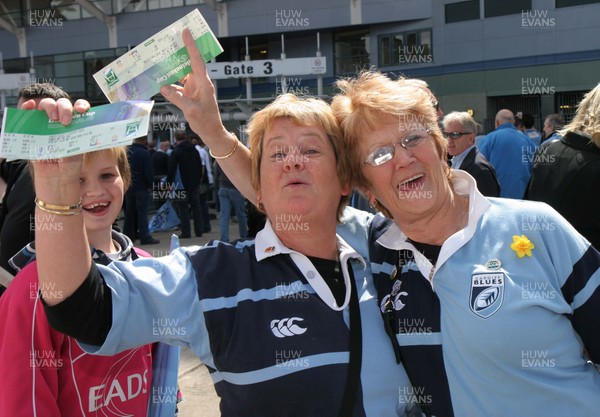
[159,60]
[137,75]
[29,134]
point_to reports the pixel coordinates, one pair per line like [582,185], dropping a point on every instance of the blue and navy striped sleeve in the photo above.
[582,291]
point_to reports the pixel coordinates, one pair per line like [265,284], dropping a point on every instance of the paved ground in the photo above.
[199,398]
[199,395]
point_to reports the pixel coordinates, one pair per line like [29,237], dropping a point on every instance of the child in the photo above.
[47,373]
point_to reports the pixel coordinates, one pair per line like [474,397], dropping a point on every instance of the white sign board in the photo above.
[267,68]
[14,81]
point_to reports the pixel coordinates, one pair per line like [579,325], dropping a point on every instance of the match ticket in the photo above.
[29,134]
[159,60]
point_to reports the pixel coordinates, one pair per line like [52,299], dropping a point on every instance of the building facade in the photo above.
[533,56]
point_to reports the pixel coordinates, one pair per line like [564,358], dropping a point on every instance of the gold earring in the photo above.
[260,206]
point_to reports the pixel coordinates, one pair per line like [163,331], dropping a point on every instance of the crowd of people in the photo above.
[450,301]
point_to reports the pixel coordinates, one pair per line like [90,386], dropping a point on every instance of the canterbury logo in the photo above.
[286,327]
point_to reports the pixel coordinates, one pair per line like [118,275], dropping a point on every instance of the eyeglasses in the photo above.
[436,105]
[454,135]
[384,154]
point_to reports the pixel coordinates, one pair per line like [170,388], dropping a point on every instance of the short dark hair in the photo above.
[42,90]
[528,120]
[141,139]
[519,122]
[180,135]
[556,120]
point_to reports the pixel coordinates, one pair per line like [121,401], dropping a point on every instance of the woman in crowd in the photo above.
[494,303]
[49,374]
[566,171]
[287,324]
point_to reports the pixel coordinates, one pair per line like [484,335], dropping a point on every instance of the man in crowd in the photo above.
[511,153]
[184,177]
[137,197]
[460,130]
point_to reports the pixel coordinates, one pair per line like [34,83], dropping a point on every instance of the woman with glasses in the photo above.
[492,304]
[460,130]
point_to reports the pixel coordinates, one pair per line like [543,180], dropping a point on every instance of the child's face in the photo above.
[101,193]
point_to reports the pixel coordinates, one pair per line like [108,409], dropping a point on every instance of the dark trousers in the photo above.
[136,214]
[204,210]
[184,199]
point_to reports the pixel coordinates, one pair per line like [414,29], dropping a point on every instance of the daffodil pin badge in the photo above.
[522,246]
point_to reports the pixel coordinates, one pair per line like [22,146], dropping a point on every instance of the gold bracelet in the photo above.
[58,209]
[235,146]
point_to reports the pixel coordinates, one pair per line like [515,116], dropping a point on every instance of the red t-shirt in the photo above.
[45,373]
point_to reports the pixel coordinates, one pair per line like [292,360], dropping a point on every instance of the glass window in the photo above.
[44,69]
[569,3]
[351,51]
[75,86]
[12,12]
[411,43]
[101,53]
[77,56]
[133,5]
[425,42]
[464,10]
[385,51]
[163,4]
[68,68]
[398,42]
[493,8]
[120,6]
[16,65]
[405,48]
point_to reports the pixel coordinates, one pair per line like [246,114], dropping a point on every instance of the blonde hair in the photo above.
[303,112]
[587,117]
[119,154]
[369,97]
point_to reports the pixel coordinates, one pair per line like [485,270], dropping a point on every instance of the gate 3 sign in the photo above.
[267,68]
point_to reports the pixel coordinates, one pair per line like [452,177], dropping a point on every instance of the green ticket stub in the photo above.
[159,60]
[29,134]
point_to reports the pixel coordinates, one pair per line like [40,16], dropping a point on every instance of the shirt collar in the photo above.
[124,254]
[464,184]
[458,159]
[267,244]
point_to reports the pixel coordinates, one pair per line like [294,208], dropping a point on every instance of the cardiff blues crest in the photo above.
[487,293]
